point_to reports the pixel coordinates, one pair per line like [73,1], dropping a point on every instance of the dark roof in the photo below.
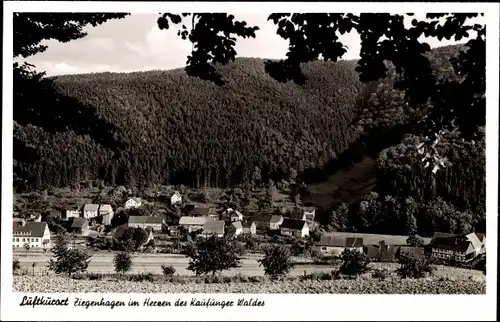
[275,219]
[308,209]
[34,229]
[145,220]
[293,224]
[214,227]
[481,236]
[247,223]
[456,243]
[78,222]
[296,214]
[263,217]
[200,211]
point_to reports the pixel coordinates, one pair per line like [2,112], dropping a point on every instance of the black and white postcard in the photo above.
[249,161]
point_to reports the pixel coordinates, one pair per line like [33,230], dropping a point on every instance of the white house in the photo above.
[36,234]
[133,203]
[73,212]
[90,211]
[213,227]
[309,213]
[297,228]
[176,198]
[106,212]
[232,215]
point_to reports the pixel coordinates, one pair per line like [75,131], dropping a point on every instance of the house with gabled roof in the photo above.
[90,211]
[154,222]
[249,227]
[213,227]
[461,248]
[35,234]
[192,223]
[292,227]
[176,198]
[79,225]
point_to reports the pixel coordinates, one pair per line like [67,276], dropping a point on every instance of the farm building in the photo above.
[309,213]
[249,227]
[232,215]
[90,211]
[79,225]
[462,248]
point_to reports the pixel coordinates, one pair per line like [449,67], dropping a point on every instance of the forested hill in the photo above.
[165,127]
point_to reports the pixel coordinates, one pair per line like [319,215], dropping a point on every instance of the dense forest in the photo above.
[173,129]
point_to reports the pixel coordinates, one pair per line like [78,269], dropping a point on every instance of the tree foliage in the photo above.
[414,267]
[122,262]
[354,262]
[213,254]
[68,260]
[277,261]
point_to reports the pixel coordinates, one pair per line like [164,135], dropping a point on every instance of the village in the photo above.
[97,227]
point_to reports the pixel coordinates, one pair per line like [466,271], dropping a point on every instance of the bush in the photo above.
[412,266]
[148,277]
[168,270]
[353,262]
[122,262]
[277,261]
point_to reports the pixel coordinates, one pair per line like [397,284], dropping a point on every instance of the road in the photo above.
[104,264]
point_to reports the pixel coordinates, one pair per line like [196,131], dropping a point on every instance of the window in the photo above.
[36,240]
[13,240]
[323,248]
[24,239]
[17,240]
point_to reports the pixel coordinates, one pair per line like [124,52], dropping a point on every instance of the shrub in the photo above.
[277,261]
[122,262]
[148,277]
[412,266]
[95,276]
[354,262]
[168,270]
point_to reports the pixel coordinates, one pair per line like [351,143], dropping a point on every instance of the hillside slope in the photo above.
[152,127]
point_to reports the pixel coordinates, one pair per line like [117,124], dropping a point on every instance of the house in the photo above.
[90,211]
[133,203]
[331,245]
[56,214]
[235,228]
[232,215]
[79,225]
[106,212]
[176,198]
[297,228]
[297,214]
[249,227]
[375,239]
[213,227]
[462,248]
[200,211]
[262,221]
[72,211]
[192,223]
[36,234]
[156,223]
[174,230]
[309,213]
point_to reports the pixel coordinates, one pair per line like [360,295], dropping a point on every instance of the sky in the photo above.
[135,43]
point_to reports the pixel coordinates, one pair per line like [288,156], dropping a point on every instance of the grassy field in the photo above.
[362,285]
